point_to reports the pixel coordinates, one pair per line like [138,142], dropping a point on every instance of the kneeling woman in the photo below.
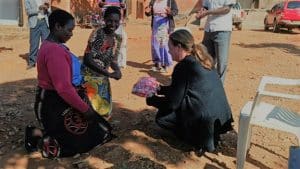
[194,106]
[70,125]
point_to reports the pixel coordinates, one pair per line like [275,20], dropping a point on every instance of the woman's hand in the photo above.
[202,13]
[168,11]
[90,114]
[101,4]
[116,75]
[149,101]
[43,7]
[122,5]
[148,10]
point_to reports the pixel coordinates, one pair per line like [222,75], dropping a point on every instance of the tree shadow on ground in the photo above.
[282,31]
[143,65]
[16,111]
[210,166]
[5,49]
[268,150]
[135,129]
[24,56]
[144,121]
[162,78]
[228,147]
[119,158]
[289,48]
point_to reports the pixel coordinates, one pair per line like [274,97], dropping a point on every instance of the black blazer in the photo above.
[198,98]
[174,11]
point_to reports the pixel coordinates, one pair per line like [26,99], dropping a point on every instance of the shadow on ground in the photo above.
[5,49]
[282,31]
[140,143]
[289,48]
[24,56]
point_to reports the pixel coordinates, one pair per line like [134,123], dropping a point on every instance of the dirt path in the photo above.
[140,143]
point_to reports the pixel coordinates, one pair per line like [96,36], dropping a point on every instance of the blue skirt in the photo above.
[159,41]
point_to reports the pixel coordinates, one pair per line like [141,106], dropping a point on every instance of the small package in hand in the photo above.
[145,87]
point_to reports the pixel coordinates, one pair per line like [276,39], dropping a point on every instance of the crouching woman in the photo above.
[194,106]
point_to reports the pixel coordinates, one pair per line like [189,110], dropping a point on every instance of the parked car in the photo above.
[283,15]
[238,15]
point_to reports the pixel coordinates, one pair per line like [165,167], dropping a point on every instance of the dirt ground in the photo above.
[140,143]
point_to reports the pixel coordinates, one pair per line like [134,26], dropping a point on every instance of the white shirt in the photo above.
[159,7]
[41,12]
[218,22]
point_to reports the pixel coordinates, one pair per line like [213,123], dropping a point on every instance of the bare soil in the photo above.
[140,143]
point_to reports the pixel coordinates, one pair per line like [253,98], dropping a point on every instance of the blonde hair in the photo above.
[186,40]
[200,51]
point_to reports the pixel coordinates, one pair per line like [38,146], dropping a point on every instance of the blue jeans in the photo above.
[39,32]
[217,44]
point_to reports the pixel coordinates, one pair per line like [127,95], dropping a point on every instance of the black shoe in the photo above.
[49,147]
[31,141]
[199,152]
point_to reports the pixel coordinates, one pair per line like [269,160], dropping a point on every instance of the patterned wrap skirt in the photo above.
[99,94]
[66,125]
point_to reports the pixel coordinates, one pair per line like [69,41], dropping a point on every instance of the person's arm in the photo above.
[88,58]
[163,90]
[30,11]
[101,3]
[197,7]
[116,74]
[149,9]
[123,4]
[176,91]
[173,9]
[48,10]
[90,63]
[60,73]
[218,11]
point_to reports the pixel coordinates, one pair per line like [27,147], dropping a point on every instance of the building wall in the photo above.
[261,4]
[267,4]
[9,12]
[81,7]
[248,4]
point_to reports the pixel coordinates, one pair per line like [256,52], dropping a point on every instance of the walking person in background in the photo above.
[162,24]
[37,12]
[218,29]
